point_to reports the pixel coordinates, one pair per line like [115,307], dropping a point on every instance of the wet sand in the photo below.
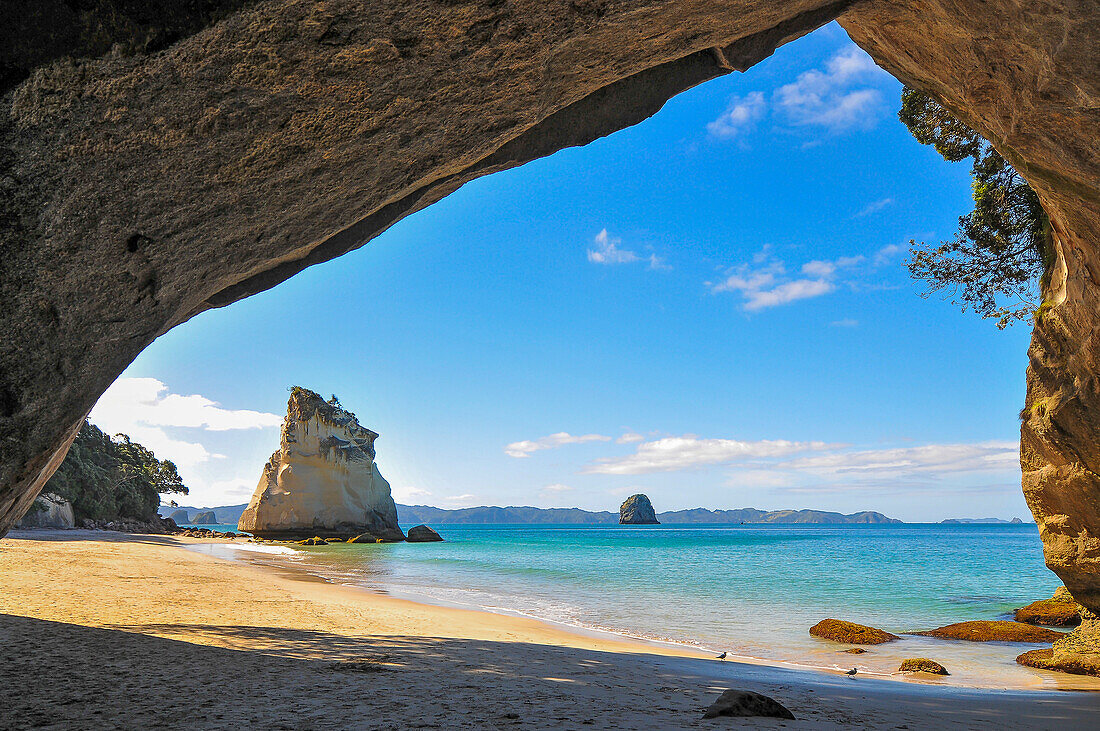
[105,630]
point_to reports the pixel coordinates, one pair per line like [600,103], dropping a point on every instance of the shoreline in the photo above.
[461,668]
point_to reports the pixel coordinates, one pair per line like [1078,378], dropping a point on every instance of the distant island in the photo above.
[493,515]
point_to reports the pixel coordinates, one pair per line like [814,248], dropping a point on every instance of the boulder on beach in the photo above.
[743,703]
[205,517]
[850,633]
[422,534]
[1061,610]
[315,541]
[922,665]
[995,631]
[323,480]
[637,510]
[1072,663]
[364,538]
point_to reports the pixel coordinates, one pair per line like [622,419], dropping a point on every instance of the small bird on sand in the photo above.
[851,672]
[722,656]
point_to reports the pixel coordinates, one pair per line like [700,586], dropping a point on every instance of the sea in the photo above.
[752,591]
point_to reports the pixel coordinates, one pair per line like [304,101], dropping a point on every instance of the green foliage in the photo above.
[109,479]
[995,263]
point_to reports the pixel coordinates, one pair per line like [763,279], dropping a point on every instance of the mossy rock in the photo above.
[1063,663]
[1061,610]
[850,633]
[854,651]
[996,631]
[922,665]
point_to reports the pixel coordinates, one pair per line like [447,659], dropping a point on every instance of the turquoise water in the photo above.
[753,590]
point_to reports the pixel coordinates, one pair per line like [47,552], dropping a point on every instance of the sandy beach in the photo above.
[107,630]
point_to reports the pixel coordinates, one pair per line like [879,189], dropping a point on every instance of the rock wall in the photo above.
[51,511]
[323,480]
[139,190]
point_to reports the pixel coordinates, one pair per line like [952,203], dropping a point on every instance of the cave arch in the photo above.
[154,181]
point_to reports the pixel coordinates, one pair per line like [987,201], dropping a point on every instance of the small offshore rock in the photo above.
[850,633]
[637,510]
[995,631]
[743,703]
[422,534]
[854,651]
[922,665]
[1061,610]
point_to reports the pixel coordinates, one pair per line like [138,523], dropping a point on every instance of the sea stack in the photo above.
[637,510]
[323,481]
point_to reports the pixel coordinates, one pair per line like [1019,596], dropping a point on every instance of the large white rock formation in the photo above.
[323,480]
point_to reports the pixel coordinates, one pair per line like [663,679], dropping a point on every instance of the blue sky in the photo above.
[710,307]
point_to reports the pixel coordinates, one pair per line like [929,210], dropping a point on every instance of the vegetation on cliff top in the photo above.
[1001,250]
[112,479]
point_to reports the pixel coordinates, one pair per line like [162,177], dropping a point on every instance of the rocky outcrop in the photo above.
[423,534]
[323,480]
[746,703]
[850,633]
[1061,610]
[185,162]
[180,517]
[205,517]
[1064,662]
[49,511]
[997,631]
[922,665]
[637,510]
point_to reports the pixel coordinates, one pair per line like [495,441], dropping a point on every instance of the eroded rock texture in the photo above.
[139,189]
[323,480]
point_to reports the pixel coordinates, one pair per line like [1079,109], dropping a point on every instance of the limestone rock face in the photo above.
[180,517]
[637,510]
[323,480]
[52,511]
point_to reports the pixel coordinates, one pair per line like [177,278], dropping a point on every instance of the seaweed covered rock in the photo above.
[637,510]
[996,631]
[922,665]
[850,633]
[423,534]
[1073,663]
[1061,610]
[323,480]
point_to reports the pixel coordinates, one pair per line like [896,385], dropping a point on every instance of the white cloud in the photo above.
[235,487]
[874,207]
[555,489]
[740,116]
[886,254]
[144,408]
[993,456]
[827,99]
[846,322]
[607,251]
[629,438]
[464,498]
[408,494]
[765,283]
[553,441]
[688,452]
